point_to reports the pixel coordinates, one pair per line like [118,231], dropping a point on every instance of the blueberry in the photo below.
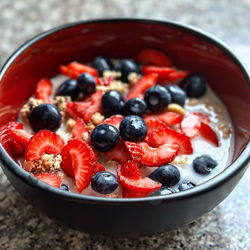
[64,187]
[163,191]
[204,164]
[102,63]
[133,128]
[135,106]
[127,66]
[86,83]
[112,103]
[177,94]
[168,175]
[194,85]
[69,88]
[104,182]
[104,137]
[45,116]
[157,98]
[185,184]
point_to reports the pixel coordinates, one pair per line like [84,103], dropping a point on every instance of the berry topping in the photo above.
[43,90]
[130,169]
[98,168]
[45,116]
[185,185]
[68,88]
[208,134]
[146,155]
[177,94]
[114,120]
[204,164]
[50,178]
[153,57]
[42,142]
[86,83]
[104,182]
[168,175]
[177,75]
[163,191]
[135,106]
[133,128]
[157,98]
[21,136]
[76,69]
[80,131]
[64,187]
[194,85]
[102,63]
[112,103]
[105,137]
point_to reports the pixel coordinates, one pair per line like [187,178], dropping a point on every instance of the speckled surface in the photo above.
[226,227]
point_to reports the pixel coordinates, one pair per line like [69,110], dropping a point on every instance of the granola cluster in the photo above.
[28,107]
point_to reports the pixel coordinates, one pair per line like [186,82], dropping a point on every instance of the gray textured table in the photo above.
[226,227]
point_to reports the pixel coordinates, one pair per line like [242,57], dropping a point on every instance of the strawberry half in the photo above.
[153,57]
[98,168]
[79,129]
[114,120]
[171,136]
[146,155]
[208,134]
[42,142]
[136,187]
[142,85]
[177,75]
[43,90]
[50,178]
[21,136]
[79,160]
[130,169]
[191,122]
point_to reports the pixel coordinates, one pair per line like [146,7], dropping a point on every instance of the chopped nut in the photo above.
[60,102]
[222,125]
[28,107]
[193,102]
[133,78]
[90,126]
[116,85]
[70,124]
[97,118]
[180,160]
[176,108]
[226,133]
[113,74]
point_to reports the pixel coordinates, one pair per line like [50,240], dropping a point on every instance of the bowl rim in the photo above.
[207,186]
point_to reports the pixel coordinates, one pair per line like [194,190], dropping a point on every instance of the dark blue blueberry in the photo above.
[177,94]
[69,88]
[133,128]
[64,187]
[168,175]
[204,164]
[157,98]
[163,191]
[86,83]
[112,103]
[102,63]
[45,116]
[185,184]
[104,137]
[104,182]
[135,106]
[194,85]
[127,66]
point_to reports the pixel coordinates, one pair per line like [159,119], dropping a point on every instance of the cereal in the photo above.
[97,118]
[176,108]
[28,107]
[60,102]
[115,85]
[113,74]
[133,78]
[90,126]
[70,124]
[180,160]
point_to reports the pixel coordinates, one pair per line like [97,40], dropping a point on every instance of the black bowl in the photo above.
[189,48]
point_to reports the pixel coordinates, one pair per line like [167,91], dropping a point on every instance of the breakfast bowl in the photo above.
[188,48]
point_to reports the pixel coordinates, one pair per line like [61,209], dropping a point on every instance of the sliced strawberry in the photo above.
[42,142]
[142,85]
[168,117]
[98,168]
[69,72]
[130,169]
[21,136]
[114,120]
[177,75]
[152,126]
[43,90]
[50,178]
[118,153]
[83,68]
[162,72]
[153,57]
[146,155]
[171,136]
[80,131]
[66,161]
[191,122]
[137,187]
[207,133]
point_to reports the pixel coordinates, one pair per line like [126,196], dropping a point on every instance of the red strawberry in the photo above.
[21,136]
[136,187]
[142,85]
[83,68]
[146,155]
[207,133]
[43,90]
[171,136]
[79,159]
[50,178]
[177,75]
[114,120]
[69,72]
[153,57]
[79,128]
[162,72]
[118,153]
[98,168]
[42,142]
[190,123]
[153,125]
[169,118]
[107,81]
[130,169]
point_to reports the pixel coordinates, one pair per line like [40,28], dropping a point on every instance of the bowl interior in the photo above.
[189,50]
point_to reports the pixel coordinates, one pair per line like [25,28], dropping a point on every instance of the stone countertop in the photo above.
[226,227]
